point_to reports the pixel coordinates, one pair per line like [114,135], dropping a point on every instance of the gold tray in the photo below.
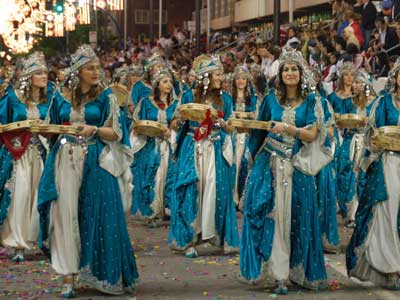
[149,128]
[243,115]
[351,121]
[55,129]
[19,125]
[250,124]
[196,111]
[388,138]
[121,92]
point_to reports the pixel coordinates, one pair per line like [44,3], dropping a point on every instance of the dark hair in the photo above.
[281,87]
[352,49]
[340,40]
[157,94]
[247,94]
[78,96]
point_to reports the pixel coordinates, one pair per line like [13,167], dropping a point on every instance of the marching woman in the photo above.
[203,209]
[83,227]
[244,100]
[23,155]
[351,147]
[153,163]
[281,235]
[374,250]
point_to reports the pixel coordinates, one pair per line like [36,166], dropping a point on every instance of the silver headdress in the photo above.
[82,56]
[392,79]
[292,56]
[120,73]
[346,67]
[152,61]
[241,71]
[204,65]
[159,76]
[135,70]
[34,63]
[364,77]
[255,68]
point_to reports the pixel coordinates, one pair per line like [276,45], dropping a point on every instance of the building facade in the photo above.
[174,13]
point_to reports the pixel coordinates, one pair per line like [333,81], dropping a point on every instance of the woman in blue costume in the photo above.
[22,156]
[374,250]
[153,168]
[326,179]
[82,221]
[244,100]
[352,141]
[203,209]
[281,236]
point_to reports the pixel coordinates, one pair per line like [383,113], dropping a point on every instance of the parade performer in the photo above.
[281,235]
[374,250]
[244,100]
[352,140]
[80,201]
[23,154]
[203,209]
[153,163]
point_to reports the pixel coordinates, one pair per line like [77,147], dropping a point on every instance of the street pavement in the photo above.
[166,275]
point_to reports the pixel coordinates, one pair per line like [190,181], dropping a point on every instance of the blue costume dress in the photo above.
[348,156]
[326,185]
[374,249]
[22,158]
[203,207]
[153,168]
[243,160]
[81,206]
[281,233]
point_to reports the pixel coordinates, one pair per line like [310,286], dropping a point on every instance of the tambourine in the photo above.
[243,115]
[351,121]
[121,92]
[55,129]
[250,124]
[18,125]
[388,138]
[196,111]
[149,128]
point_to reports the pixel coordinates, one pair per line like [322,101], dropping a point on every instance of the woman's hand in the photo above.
[277,128]
[87,130]
[167,134]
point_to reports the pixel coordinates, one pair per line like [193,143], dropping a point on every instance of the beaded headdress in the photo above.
[391,82]
[291,56]
[82,56]
[32,64]
[152,61]
[346,67]
[364,77]
[159,76]
[241,71]
[204,65]
[135,70]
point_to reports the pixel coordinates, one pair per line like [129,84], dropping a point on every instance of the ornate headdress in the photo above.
[204,65]
[391,82]
[347,66]
[135,70]
[82,56]
[364,77]
[32,64]
[241,71]
[120,73]
[159,76]
[152,61]
[256,68]
[292,56]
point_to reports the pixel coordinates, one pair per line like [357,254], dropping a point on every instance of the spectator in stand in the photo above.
[368,15]
[340,44]
[359,60]
[350,37]
[387,36]
[354,22]
[395,10]
[382,65]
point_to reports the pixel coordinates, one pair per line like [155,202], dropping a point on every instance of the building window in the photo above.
[142,16]
[164,16]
